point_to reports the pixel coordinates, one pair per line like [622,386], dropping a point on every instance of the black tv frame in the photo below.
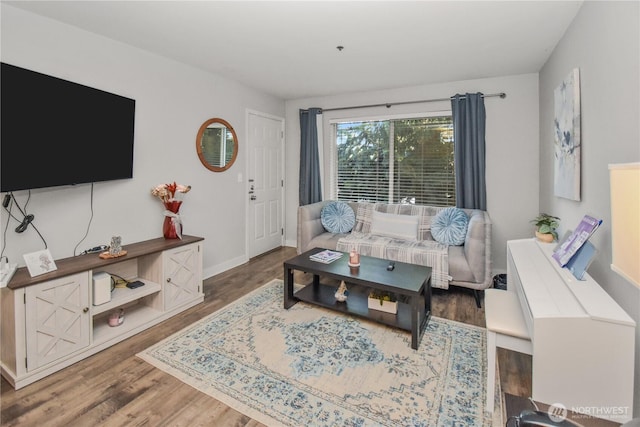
[54,132]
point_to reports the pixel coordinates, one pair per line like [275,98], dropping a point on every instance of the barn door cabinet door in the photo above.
[182,275]
[59,321]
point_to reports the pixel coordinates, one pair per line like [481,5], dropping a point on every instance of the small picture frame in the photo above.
[39,262]
[116,246]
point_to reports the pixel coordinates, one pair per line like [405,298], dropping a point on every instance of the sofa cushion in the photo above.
[364,216]
[396,226]
[337,217]
[449,226]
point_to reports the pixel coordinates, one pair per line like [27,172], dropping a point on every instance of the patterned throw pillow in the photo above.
[449,226]
[403,227]
[337,217]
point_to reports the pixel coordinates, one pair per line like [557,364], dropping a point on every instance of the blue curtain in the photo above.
[469,145]
[310,189]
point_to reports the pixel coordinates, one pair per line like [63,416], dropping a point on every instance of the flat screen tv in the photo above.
[55,132]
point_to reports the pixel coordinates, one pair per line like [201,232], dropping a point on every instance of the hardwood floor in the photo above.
[116,388]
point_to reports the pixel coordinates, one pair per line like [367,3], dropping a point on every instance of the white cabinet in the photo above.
[583,341]
[49,322]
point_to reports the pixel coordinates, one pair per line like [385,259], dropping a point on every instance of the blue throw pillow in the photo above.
[449,226]
[337,217]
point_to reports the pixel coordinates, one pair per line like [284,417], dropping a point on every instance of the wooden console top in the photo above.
[72,265]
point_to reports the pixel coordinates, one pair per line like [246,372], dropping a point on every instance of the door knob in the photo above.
[253,197]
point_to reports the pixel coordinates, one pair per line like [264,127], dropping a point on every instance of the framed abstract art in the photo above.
[566,101]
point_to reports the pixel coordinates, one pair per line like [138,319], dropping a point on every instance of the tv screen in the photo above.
[55,132]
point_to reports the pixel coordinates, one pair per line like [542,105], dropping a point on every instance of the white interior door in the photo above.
[265,183]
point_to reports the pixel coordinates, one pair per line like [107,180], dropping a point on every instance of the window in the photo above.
[399,160]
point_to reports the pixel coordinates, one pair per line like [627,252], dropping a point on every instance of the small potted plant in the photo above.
[382,301]
[546,226]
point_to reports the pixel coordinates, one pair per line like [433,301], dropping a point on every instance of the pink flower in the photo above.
[167,192]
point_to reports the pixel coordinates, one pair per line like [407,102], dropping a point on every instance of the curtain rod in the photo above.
[390,104]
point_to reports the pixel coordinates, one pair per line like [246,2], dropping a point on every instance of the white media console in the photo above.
[582,340]
[49,322]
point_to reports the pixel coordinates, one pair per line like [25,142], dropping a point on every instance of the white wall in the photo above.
[511,141]
[603,42]
[172,101]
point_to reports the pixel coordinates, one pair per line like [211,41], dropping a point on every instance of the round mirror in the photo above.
[217,145]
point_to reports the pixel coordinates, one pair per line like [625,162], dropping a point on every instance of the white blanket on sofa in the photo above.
[421,252]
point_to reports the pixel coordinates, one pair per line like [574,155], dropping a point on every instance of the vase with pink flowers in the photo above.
[171,196]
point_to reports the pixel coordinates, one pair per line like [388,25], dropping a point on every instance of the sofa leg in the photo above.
[476,295]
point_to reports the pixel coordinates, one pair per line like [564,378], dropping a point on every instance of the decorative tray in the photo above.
[107,255]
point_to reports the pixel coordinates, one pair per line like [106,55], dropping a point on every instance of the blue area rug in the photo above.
[308,366]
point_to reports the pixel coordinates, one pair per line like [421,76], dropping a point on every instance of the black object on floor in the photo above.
[500,281]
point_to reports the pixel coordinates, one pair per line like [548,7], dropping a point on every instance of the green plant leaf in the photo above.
[544,229]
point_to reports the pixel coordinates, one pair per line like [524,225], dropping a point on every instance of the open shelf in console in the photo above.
[136,316]
[141,306]
[121,296]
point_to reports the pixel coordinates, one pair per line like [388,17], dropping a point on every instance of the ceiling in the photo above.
[289,48]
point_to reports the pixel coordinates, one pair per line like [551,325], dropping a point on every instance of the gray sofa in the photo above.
[467,265]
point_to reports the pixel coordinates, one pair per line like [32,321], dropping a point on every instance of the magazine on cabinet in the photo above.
[581,261]
[574,242]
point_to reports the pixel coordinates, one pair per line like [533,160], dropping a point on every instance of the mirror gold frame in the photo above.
[217,158]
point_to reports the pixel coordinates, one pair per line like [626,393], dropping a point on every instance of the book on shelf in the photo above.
[327,256]
[568,248]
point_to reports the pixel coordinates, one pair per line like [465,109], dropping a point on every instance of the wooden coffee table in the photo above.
[408,280]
